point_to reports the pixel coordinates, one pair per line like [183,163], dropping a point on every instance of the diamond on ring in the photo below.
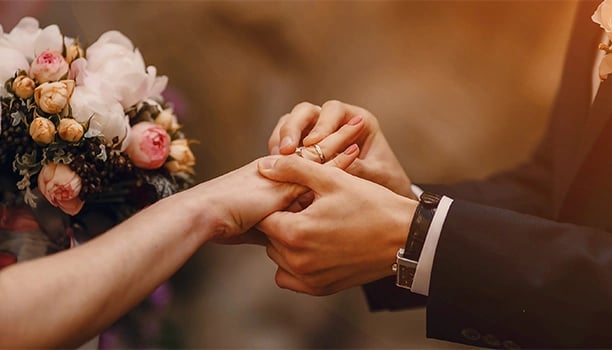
[299,151]
[320,153]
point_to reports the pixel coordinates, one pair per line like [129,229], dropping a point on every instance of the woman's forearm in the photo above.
[65,299]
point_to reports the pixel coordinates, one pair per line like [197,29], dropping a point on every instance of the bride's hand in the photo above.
[238,200]
[310,125]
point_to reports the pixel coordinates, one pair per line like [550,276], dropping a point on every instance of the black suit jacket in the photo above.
[525,258]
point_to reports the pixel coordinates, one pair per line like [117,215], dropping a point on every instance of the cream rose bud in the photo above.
[48,66]
[167,120]
[53,97]
[183,159]
[73,52]
[148,145]
[24,86]
[61,187]
[70,130]
[42,130]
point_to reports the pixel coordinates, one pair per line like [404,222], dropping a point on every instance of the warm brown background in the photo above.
[462,89]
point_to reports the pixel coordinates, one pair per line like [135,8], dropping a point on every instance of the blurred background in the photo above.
[462,89]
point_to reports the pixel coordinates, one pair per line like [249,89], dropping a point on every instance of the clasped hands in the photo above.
[349,219]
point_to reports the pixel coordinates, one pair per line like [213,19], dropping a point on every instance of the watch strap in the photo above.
[419,227]
[407,258]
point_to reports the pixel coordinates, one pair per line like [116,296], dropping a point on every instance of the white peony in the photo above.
[115,67]
[30,40]
[603,17]
[104,115]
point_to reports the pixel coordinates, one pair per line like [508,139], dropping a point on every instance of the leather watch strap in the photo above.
[420,225]
[407,258]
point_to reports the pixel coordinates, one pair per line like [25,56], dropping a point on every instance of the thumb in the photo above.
[293,169]
[301,171]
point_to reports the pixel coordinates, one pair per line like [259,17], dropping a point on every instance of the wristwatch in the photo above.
[408,257]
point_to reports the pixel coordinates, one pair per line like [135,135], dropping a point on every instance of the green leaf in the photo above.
[18,117]
[163,186]
[102,155]
[30,198]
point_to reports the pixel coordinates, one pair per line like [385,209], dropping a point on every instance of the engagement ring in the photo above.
[320,153]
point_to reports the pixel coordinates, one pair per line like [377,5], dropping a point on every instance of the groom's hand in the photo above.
[243,197]
[348,236]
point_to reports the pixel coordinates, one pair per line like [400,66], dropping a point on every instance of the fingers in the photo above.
[309,124]
[302,171]
[333,115]
[293,126]
[291,169]
[301,202]
[346,158]
[274,140]
[285,278]
[333,143]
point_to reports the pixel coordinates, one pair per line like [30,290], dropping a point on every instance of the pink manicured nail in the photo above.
[355,120]
[351,149]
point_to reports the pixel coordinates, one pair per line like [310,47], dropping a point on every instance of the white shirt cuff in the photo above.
[420,283]
[416,190]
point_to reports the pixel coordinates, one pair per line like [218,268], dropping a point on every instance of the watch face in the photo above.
[405,270]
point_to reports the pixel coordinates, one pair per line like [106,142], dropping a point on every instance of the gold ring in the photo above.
[320,153]
[299,151]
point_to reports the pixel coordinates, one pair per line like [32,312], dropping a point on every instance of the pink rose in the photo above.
[61,186]
[148,146]
[48,66]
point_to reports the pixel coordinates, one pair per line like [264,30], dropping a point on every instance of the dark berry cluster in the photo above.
[99,167]
[15,138]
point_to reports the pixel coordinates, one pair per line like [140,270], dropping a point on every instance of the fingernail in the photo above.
[267,162]
[287,141]
[351,149]
[275,150]
[355,120]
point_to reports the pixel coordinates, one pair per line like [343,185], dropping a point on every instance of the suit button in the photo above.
[491,340]
[470,334]
[510,345]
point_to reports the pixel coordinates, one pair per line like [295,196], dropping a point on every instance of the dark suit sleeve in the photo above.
[526,189]
[503,272]
[506,279]
[521,279]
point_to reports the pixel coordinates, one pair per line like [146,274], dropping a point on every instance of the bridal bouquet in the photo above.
[85,127]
